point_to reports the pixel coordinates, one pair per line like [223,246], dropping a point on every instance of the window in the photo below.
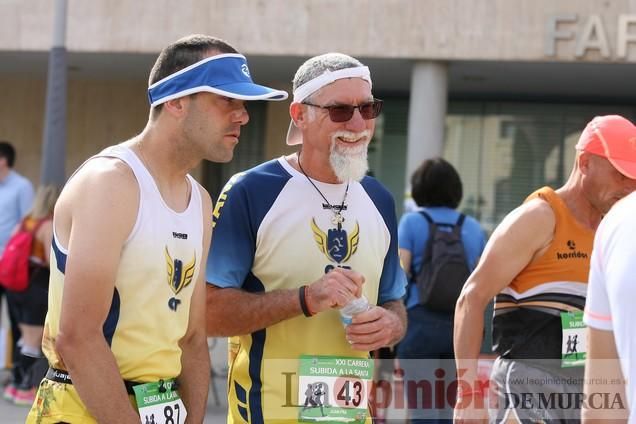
[505,151]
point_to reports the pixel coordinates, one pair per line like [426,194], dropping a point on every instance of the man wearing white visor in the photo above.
[125,332]
[297,239]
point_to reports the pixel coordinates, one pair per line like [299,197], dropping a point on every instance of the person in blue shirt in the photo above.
[16,194]
[436,188]
[16,198]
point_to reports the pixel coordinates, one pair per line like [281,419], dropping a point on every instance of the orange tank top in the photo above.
[567,259]
[527,315]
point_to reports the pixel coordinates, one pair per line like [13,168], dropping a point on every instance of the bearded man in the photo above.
[297,238]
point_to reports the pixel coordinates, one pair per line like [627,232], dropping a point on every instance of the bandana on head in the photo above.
[224,74]
[327,77]
[313,85]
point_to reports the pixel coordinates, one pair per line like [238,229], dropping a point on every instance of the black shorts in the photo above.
[32,304]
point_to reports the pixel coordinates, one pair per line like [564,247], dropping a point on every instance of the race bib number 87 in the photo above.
[333,389]
[159,404]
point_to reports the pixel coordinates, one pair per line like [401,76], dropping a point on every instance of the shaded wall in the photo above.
[100,113]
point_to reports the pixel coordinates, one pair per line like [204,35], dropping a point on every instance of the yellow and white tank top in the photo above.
[527,318]
[159,265]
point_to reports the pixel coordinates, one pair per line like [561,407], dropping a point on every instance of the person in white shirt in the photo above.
[609,315]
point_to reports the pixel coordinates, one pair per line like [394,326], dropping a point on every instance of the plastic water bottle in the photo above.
[353,308]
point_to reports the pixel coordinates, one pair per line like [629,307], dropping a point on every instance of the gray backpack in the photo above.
[444,268]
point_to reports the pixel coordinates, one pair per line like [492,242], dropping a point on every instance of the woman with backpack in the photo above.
[31,303]
[438,247]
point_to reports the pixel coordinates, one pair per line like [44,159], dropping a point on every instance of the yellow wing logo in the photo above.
[353,238]
[179,276]
[336,245]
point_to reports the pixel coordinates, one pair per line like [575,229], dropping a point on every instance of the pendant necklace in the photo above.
[337,218]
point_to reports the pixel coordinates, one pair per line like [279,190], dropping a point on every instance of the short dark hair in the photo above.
[183,53]
[436,183]
[7,151]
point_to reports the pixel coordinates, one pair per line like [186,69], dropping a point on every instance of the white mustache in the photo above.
[362,137]
[350,135]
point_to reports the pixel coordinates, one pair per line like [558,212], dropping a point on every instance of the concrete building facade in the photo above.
[501,88]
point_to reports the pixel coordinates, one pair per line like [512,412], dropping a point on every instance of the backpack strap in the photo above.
[23,224]
[40,223]
[426,216]
[459,223]
[432,229]
[432,225]
[457,228]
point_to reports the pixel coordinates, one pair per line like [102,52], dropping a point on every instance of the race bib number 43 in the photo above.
[332,389]
[159,404]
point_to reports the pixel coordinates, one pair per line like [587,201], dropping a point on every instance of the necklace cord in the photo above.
[331,207]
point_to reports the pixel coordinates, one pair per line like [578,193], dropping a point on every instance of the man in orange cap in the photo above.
[536,266]
[609,313]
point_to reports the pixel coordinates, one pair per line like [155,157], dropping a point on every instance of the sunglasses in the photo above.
[343,113]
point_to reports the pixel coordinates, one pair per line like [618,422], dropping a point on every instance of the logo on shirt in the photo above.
[336,244]
[223,197]
[571,253]
[179,276]
[182,236]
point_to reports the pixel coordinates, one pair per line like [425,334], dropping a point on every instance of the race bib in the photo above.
[574,344]
[159,404]
[332,389]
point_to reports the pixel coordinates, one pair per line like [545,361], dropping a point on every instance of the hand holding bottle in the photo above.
[334,290]
[354,307]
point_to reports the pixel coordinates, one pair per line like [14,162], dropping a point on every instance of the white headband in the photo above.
[327,77]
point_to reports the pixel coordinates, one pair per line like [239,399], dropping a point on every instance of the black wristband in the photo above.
[303,301]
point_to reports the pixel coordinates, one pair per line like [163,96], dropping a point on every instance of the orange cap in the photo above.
[612,137]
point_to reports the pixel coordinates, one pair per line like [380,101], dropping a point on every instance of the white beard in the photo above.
[349,163]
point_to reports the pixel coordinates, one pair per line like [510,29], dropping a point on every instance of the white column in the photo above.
[427,114]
